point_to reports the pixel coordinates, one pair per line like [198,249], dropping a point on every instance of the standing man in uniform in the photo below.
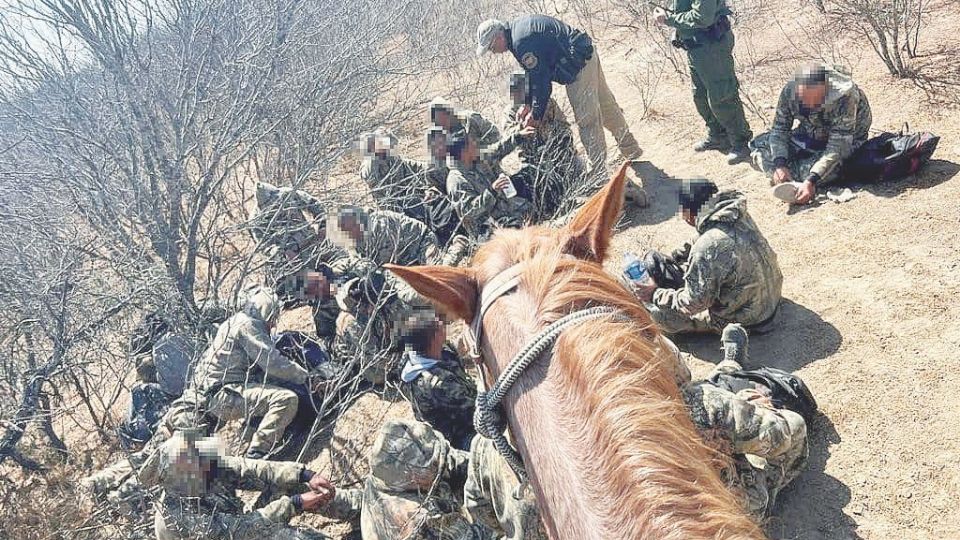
[552,51]
[703,30]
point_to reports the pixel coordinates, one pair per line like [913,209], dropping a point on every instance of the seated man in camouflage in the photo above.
[478,188]
[405,185]
[549,163]
[222,376]
[834,120]
[447,117]
[433,379]
[199,498]
[768,445]
[289,224]
[730,272]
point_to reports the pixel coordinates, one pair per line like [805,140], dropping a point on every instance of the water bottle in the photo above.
[509,191]
[635,271]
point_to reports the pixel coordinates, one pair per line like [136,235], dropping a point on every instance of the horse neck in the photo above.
[610,454]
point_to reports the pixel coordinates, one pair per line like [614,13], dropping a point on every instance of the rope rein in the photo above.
[488,417]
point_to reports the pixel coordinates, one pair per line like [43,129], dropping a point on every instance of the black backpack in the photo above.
[890,156]
[787,390]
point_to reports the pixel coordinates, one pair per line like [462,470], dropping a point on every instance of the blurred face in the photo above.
[318,286]
[441,117]
[499,44]
[351,228]
[438,147]
[812,96]
[689,217]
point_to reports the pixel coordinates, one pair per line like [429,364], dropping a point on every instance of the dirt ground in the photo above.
[871,292]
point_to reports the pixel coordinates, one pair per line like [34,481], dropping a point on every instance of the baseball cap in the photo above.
[488,30]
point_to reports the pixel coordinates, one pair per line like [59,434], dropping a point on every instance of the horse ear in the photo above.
[592,227]
[452,290]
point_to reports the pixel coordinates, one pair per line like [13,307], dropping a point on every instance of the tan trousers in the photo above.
[595,108]
[277,406]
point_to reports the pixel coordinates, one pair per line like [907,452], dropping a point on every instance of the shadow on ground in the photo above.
[811,507]
[797,337]
[934,173]
[662,189]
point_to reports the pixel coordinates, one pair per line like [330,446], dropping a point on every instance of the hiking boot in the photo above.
[734,341]
[636,195]
[738,154]
[711,143]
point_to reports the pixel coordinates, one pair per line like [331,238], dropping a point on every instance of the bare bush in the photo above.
[892,27]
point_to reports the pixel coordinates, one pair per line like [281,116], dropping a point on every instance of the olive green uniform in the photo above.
[716,90]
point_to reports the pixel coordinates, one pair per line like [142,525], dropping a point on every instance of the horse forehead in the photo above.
[510,247]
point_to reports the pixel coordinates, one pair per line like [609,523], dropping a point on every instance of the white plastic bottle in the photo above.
[509,190]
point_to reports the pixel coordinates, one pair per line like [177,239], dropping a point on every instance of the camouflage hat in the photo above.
[260,303]
[407,456]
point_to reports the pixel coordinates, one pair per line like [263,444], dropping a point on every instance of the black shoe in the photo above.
[254,454]
[711,143]
[737,154]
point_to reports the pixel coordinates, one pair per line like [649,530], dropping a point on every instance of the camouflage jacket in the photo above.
[443,396]
[192,501]
[394,507]
[243,342]
[731,270]
[482,129]
[397,183]
[838,128]
[553,140]
[734,424]
[469,187]
[395,238]
[285,223]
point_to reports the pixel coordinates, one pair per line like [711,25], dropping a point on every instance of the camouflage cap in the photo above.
[407,456]
[261,303]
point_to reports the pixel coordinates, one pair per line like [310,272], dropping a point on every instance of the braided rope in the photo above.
[488,418]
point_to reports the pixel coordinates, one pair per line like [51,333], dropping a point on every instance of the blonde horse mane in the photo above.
[646,471]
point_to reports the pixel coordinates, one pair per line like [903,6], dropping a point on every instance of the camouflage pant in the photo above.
[760,480]
[489,496]
[277,406]
[675,322]
[800,161]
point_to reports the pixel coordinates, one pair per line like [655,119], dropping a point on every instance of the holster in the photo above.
[711,34]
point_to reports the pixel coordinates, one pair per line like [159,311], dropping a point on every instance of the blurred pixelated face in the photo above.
[352,228]
[688,216]
[470,151]
[499,43]
[438,147]
[441,117]
[318,286]
[518,93]
[812,96]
